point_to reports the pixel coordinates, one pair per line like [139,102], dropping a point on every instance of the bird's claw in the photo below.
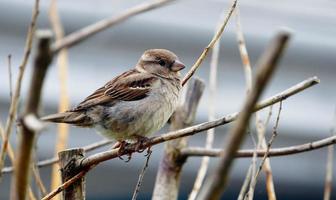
[122,150]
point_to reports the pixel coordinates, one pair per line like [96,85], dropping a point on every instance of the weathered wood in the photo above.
[168,177]
[69,162]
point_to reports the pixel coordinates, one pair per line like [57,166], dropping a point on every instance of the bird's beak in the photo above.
[177,66]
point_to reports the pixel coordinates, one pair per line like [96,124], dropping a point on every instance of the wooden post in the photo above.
[168,177]
[69,162]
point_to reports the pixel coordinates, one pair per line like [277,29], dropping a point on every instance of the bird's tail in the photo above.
[74,118]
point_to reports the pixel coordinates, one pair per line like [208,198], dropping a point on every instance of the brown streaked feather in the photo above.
[75,118]
[129,86]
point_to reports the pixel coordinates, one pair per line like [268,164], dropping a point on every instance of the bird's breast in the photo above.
[142,117]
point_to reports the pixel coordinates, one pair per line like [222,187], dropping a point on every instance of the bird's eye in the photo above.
[162,62]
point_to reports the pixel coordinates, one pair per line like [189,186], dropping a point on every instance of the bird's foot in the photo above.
[122,150]
[140,145]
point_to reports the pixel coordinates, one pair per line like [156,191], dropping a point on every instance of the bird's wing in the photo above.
[129,86]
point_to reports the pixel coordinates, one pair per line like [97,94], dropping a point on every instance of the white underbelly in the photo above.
[142,117]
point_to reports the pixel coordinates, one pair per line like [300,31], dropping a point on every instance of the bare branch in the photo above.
[329,165]
[216,183]
[54,160]
[210,45]
[284,151]
[39,181]
[10,77]
[93,160]
[206,125]
[66,184]
[27,136]
[246,184]
[255,176]
[16,95]
[93,29]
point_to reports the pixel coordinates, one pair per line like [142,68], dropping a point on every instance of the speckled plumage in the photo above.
[135,103]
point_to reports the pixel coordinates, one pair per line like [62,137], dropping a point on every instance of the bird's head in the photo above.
[160,62]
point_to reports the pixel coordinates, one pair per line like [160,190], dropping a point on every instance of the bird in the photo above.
[133,105]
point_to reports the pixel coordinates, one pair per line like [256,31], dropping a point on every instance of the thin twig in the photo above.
[39,181]
[248,79]
[84,33]
[274,134]
[267,63]
[141,175]
[11,155]
[10,77]
[210,45]
[50,161]
[267,166]
[246,184]
[329,165]
[275,152]
[211,113]
[243,52]
[16,95]
[329,174]
[62,62]
[66,184]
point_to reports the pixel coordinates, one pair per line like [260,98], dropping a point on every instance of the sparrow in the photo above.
[133,105]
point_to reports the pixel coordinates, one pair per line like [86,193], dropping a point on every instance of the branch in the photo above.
[103,156]
[274,135]
[210,45]
[84,33]
[16,95]
[329,165]
[275,152]
[206,125]
[216,183]
[27,136]
[246,184]
[141,176]
[50,161]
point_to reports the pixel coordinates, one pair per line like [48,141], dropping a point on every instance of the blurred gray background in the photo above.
[186,27]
